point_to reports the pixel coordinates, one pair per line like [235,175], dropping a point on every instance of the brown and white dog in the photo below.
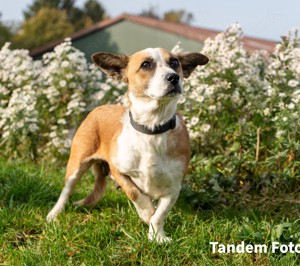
[144,147]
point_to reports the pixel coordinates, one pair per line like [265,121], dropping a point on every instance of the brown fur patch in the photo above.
[190,61]
[112,64]
[138,78]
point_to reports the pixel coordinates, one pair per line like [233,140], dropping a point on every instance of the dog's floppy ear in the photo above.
[111,64]
[190,61]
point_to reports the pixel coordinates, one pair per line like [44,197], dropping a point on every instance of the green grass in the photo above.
[112,233]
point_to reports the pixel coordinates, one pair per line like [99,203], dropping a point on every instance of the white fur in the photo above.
[151,112]
[64,196]
[144,158]
[158,85]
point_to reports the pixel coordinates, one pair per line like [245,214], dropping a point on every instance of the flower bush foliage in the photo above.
[43,102]
[19,121]
[242,110]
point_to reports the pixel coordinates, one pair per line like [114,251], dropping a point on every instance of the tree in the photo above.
[47,25]
[80,18]
[151,12]
[179,16]
[5,33]
[94,10]
[48,20]
[35,7]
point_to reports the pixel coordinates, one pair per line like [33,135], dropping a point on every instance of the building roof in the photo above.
[195,33]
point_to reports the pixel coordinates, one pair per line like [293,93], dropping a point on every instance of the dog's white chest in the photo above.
[145,159]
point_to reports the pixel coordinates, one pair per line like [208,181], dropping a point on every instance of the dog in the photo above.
[145,146]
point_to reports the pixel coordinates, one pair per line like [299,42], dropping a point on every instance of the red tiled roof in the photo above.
[195,33]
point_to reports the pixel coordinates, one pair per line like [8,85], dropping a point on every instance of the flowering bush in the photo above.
[67,86]
[19,121]
[242,111]
[282,105]
[42,102]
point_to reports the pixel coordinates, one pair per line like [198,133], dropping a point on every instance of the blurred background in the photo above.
[116,26]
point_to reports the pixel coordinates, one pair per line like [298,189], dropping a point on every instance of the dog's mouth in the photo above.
[169,92]
[174,91]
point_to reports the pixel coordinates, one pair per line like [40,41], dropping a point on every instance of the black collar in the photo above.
[171,124]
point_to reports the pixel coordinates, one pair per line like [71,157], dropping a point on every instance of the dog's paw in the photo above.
[163,239]
[51,217]
[159,238]
[79,203]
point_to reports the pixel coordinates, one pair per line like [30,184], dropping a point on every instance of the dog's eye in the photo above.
[146,65]
[174,63]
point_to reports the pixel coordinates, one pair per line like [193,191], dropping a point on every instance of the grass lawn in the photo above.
[112,233]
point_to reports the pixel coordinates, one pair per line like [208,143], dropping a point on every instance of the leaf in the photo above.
[277,232]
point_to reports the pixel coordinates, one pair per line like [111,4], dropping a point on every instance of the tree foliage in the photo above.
[151,12]
[49,24]
[94,10]
[80,18]
[49,20]
[177,16]
[5,33]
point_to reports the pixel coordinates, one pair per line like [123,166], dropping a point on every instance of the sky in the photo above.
[267,19]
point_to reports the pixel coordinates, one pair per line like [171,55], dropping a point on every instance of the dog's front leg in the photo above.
[156,229]
[141,201]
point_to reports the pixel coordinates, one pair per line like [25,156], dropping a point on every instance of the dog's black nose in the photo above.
[173,78]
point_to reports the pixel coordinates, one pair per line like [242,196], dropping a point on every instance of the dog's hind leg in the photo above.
[100,170]
[73,175]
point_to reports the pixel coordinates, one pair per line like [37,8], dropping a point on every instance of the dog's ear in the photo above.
[190,61]
[111,64]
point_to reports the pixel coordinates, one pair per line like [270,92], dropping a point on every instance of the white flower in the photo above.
[62,83]
[281,105]
[205,128]
[52,135]
[293,83]
[33,127]
[5,134]
[69,76]
[291,106]
[65,64]
[279,133]
[20,124]
[266,111]
[236,96]
[210,90]
[62,121]
[200,99]
[270,91]
[212,108]
[194,120]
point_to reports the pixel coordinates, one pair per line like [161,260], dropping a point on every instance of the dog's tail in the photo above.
[100,170]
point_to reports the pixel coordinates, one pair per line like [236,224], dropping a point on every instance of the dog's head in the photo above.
[154,72]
